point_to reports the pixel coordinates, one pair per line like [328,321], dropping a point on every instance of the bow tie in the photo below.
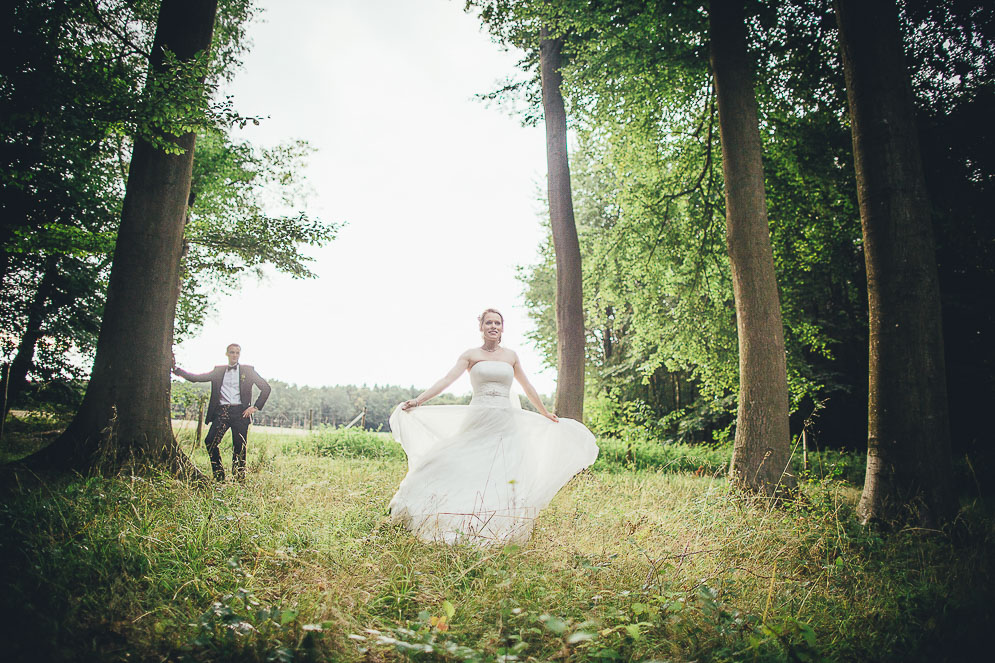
[232,368]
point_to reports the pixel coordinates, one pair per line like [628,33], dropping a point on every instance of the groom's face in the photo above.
[233,353]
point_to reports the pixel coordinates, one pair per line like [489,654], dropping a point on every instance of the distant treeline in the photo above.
[295,406]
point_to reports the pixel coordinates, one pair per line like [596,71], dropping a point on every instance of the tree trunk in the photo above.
[4,259]
[569,277]
[16,379]
[124,417]
[908,436]
[761,450]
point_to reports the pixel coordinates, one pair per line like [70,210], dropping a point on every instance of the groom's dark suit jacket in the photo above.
[247,377]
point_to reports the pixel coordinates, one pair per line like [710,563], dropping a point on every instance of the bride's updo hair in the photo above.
[480,318]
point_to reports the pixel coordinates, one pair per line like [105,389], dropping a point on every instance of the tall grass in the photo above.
[302,563]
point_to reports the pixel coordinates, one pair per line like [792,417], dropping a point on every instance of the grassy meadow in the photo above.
[646,556]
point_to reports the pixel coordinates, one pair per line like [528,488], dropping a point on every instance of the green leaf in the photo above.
[808,633]
[448,608]
[287,616]
[554,624]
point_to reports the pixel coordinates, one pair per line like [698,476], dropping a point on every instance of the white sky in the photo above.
[440,194]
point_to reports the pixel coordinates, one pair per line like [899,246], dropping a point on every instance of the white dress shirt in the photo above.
[229,387]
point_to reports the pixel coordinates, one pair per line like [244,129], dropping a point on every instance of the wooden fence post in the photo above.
[804,450]
[200,419]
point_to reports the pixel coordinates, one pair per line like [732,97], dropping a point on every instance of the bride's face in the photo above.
[491,327]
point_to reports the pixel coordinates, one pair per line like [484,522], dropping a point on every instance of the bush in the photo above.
[347,443]
[642,453]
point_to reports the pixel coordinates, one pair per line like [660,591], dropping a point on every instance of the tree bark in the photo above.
[569,277]
[124,417]
[908,429]
[761,449]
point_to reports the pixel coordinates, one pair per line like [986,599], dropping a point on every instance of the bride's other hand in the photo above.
[551,417]
[407,405]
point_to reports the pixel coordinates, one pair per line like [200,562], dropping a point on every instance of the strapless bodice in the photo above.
[491,381]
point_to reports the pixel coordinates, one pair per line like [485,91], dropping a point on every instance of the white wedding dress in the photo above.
[480,473]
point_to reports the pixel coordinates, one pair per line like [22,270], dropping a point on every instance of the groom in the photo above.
[231,393]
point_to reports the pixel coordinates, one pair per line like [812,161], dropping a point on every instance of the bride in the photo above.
[480,473]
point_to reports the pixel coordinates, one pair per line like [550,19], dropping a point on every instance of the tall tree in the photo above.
[761,450]
[73,96]
[656,281]
[908,439]
[68,90]
[124,417]
[63,312]
[569,276]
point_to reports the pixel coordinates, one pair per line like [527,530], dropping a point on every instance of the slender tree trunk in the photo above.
[761,450]
[17,375]
[569,277]
[908,436]
[4,259]
[124,417]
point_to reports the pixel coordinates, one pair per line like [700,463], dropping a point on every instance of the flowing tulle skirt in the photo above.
[482,474]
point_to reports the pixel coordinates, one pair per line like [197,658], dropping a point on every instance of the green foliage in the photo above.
[648,198]
[641,453]
[347,443]
[76,93]
[231,233]
[188,399]
[68,89]
[745,637]
[277,633]
[301,561]
[23,433]
[296,406]
[832,465]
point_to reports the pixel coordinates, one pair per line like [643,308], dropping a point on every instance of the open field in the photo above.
[182,425]
[661,562]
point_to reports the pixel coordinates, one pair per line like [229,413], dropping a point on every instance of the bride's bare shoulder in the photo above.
[471,356]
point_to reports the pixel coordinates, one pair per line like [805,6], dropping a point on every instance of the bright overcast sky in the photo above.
[439,193]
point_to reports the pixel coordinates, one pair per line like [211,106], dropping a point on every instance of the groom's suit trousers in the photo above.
[228,416]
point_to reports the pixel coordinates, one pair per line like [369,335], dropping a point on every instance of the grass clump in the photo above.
[641,453]
[347,443]
[302,563]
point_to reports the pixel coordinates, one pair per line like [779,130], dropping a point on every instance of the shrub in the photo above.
[346,443]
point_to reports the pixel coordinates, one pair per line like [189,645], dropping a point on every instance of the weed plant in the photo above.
[635,559]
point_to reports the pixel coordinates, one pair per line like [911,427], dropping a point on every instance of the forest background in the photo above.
[660,324]
[132,553]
